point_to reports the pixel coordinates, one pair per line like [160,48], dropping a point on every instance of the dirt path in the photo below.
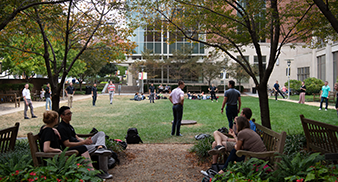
[157,162]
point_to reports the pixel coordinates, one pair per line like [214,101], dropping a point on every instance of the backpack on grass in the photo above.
[133,137]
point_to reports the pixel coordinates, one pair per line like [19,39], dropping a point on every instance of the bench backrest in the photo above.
[320,136]
[8,138]
[273,141]
[34,145]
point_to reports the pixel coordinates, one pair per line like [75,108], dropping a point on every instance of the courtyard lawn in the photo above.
[153,121]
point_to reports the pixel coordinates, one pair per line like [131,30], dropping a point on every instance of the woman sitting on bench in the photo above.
[50,137]
[246,139]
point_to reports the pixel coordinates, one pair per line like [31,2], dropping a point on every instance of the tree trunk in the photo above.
[264,105]
[80,82]
[55,102]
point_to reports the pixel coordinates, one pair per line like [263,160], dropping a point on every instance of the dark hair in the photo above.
[180,82]
[62,110]
[242,123]
[232,83]
[50,116]
[247,112]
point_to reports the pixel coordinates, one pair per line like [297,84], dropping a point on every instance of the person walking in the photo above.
[94,93]
[176,97]
[276,89]
[302,94]
[152,91]
[111,90]
[213,91]
[70,91]
[325,94]
[26,94]
[47,97]
[232,98]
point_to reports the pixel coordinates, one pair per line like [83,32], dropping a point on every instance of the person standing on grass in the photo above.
[26,94]
[213,91]
[176,97]
[276,89]
[325,94]
[302,94]
[111,90]
[152,91]
[47,97]
[232,97]
[336,88]
[94,93]
[70,91]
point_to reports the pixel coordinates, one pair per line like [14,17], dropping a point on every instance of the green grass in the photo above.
[153,121]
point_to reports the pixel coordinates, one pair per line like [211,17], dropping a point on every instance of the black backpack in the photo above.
[133,137]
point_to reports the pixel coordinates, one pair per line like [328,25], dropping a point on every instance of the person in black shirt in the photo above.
[94,93]
[47,97]
[276,89]
[213,91]
[302,94]
[49,137]
[70,91]
[152,91]
[336,88]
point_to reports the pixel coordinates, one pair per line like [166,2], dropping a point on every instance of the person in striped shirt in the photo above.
[111,90]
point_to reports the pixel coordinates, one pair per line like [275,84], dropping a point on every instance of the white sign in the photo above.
[142,75]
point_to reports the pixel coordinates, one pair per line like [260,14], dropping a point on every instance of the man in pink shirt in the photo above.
[177,98]
[111,90]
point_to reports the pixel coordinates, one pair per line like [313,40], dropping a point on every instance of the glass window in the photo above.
[172,48]
[164,48]
[150,47]
[335,66]
[263,61]
[195,48]
[158,36]
[201,48]
[321,67]
[303,73]
[158,48]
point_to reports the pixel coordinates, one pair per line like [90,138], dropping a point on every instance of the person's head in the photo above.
[42,89]
[336,86]
[152,84]
[212,84]
[241,123]
[277,81]
[110,82]
[50,117]
[48,85]
[65,114]
[94,84]
[141,93]
[247,113]
[303,83]
[231,84]
[181,84]
[136,93]
[26,85]
[71,84]
[326,83]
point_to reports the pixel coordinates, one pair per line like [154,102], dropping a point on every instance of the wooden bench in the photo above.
[36,153]
[273,141]
[8,138]
[320,137]
[220,89]
[196,89]
[10,98]
[332,96]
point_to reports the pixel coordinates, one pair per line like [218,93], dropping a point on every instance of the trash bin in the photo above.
[88,90]
[254,90]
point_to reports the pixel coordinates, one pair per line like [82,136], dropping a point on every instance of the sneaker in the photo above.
[34,117]
[26,117]
[105,175]
[102,151]
[320,109]
[217,150]
[179,134]
[325,109]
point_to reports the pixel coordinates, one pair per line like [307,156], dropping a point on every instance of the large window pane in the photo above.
[201,48]
[164,48]
[195,48]
[172,48]
[158,48]
[150,47]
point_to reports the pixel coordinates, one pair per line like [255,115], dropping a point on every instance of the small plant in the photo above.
[202,147]
[113,145]
[294,144]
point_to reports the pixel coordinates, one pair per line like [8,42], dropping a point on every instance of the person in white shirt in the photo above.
[26,94]
[177,98]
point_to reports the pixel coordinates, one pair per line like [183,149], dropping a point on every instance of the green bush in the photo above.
[15,86]
[294,144]
[202,147]
[294,85]
[313,85]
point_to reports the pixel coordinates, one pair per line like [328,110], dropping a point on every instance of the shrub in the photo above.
[294,85]
[202,147]
[313,85]
[294,144]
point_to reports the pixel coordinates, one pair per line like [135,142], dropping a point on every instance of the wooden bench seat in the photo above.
[8,138]
[320,137]
[15,98]
[196,89]
[332,97]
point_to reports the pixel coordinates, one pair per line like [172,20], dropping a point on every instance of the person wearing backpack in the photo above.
[177,98]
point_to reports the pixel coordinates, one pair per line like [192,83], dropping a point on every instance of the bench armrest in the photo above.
[51,155]
[240,153]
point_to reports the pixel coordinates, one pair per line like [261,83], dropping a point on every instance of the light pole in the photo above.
[224,77]
[288,61]
[142,91]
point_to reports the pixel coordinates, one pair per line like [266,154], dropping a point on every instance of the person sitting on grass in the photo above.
[143,97]
[246,139]
[50,137]
[223,143]
[136,97]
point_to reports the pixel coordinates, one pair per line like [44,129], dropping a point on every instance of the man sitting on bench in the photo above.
[95,144]
[223,143]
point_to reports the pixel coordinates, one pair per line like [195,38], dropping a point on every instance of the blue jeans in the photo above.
[48,102]
[232,157]
[94,99]
[178,113]
[231,112]
[326,102]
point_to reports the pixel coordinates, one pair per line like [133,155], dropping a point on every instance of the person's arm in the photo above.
[320,93]
[74,91]
[171,99]
[223,104]
[66,92]
[239,144]
[48,149]
[149,91]
[182,100]
[87,141]
[92,93]
[239,104]
[24,98]
[328,96]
